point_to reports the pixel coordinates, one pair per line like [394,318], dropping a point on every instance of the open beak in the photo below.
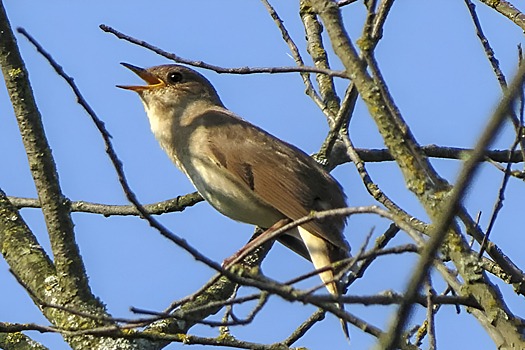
[152,80]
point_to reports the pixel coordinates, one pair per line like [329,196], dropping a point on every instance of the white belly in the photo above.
[228,196]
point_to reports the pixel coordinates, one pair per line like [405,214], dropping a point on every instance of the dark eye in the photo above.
[174,77]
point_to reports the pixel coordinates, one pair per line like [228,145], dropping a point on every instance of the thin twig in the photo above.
[314,46]
[115,332]
[340,126]
[310,90]
[375,191]
[380,243]
[218,69]
[431,316]
[489,53]
[305,327]
[321,215]
[499,202]
[342,3]
[177,204]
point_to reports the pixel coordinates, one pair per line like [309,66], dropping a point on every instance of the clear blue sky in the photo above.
[430,57]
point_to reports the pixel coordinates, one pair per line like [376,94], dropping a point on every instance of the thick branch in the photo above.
[19,341]
[24,255]
[35,271]
[70,269]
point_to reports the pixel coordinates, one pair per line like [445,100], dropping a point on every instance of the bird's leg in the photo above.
[256,242]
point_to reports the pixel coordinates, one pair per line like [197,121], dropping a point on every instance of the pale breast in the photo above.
[228,195]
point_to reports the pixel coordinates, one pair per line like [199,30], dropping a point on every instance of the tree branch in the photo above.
[168,206]
[218,69]
[70,268]
[508,10]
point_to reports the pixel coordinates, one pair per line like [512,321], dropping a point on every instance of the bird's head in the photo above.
[172,87]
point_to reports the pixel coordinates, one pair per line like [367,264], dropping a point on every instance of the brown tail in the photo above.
[320,255]
[334,290]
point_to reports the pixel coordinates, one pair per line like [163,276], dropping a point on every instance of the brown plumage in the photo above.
[241,170]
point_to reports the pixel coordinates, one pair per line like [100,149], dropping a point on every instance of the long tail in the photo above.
[320,255]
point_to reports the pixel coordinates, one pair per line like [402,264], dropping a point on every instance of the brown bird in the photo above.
[241,170]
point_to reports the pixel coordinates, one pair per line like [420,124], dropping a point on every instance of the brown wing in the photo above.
[277,172]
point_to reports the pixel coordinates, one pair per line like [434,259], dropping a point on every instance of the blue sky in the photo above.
[436,71]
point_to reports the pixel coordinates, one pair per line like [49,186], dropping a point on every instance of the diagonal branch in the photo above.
[508,10]
[310,90]
[18,340]
[69,266]
[218,69]
[22,252]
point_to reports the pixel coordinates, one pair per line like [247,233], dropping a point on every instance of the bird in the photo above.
[242,171]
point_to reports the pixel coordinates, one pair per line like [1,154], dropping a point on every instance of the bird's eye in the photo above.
[174,77]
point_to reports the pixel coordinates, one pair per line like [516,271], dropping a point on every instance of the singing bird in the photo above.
[241,170]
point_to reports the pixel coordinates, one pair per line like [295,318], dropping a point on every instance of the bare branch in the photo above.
[508,10]
[16,341]
[70,268]
[218,69]
[310,90]
[168,206]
